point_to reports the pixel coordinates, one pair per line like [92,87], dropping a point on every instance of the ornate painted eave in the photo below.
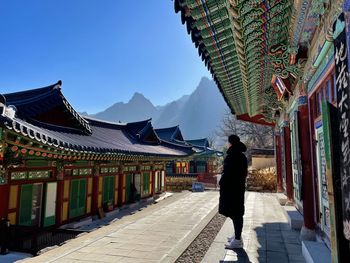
[240,42]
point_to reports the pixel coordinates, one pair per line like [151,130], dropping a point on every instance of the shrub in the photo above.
[262,180]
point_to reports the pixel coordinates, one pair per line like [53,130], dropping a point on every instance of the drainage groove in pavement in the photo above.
[197,249]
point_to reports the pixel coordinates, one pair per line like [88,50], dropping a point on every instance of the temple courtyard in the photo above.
[161,232]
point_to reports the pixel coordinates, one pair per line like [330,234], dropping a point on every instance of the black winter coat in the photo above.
[232,182]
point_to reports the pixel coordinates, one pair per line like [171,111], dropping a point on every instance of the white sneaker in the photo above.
[234,243]
[229,239]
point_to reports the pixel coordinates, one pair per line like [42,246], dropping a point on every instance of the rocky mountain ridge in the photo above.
[197,114]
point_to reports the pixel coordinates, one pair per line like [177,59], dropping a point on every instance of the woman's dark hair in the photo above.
[233,139]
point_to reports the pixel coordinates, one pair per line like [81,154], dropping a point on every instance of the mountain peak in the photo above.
[191,112]
[137,96]
[204,81]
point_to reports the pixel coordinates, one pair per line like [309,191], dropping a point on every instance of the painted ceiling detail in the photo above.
[280,59]
[247,43]
[272,103]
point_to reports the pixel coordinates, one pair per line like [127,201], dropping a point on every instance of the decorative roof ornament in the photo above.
[280,57]
[272,104]
[10,111]
[7,111]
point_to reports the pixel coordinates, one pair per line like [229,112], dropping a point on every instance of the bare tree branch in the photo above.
[253,135]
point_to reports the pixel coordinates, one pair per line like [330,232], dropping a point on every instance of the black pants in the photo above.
[238,226]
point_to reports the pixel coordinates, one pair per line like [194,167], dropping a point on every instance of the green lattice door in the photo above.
[77,198]
[30,205]
[108,189]
[127,187]
[145,184]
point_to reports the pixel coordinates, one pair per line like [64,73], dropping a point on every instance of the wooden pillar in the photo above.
[59,205]
[121,187]
[95,191]
[4,196]
[307,177]
[153,174]
[60,193]
[288,164]
[278,153]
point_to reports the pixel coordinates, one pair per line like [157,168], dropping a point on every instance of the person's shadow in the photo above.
[241,256]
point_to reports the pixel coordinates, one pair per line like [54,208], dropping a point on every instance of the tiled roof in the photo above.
[172,135]
[37,106]
[102,136]
[201,147]
[167,133]
[199,142]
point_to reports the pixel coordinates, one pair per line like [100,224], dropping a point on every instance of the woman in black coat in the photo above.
[232,188]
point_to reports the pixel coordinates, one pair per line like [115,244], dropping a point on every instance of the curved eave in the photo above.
[201,51]
[33,133]
[257,119]
[33,99]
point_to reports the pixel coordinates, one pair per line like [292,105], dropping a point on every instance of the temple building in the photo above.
[284,63]
[202,165]
[57,166]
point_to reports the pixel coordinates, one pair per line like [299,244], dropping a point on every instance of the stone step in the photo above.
[316,252]
[77,224]
[295,219]
[112,213]
[281,198]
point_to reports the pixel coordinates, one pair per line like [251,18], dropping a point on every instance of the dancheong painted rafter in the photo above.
[243,43]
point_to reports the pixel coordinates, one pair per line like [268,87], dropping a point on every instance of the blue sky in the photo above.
[102,50]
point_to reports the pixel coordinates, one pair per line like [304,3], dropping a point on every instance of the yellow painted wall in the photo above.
[99,202]
[89,186]
[12,218]
[150,183]
[64,216]
[88,205]
[66,189]
[100,184]
[13,196]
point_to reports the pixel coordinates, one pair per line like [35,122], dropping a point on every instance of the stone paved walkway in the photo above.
[159,233]
[266,235]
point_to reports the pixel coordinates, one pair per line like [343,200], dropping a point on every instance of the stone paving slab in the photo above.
[266,235]
[159,233]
